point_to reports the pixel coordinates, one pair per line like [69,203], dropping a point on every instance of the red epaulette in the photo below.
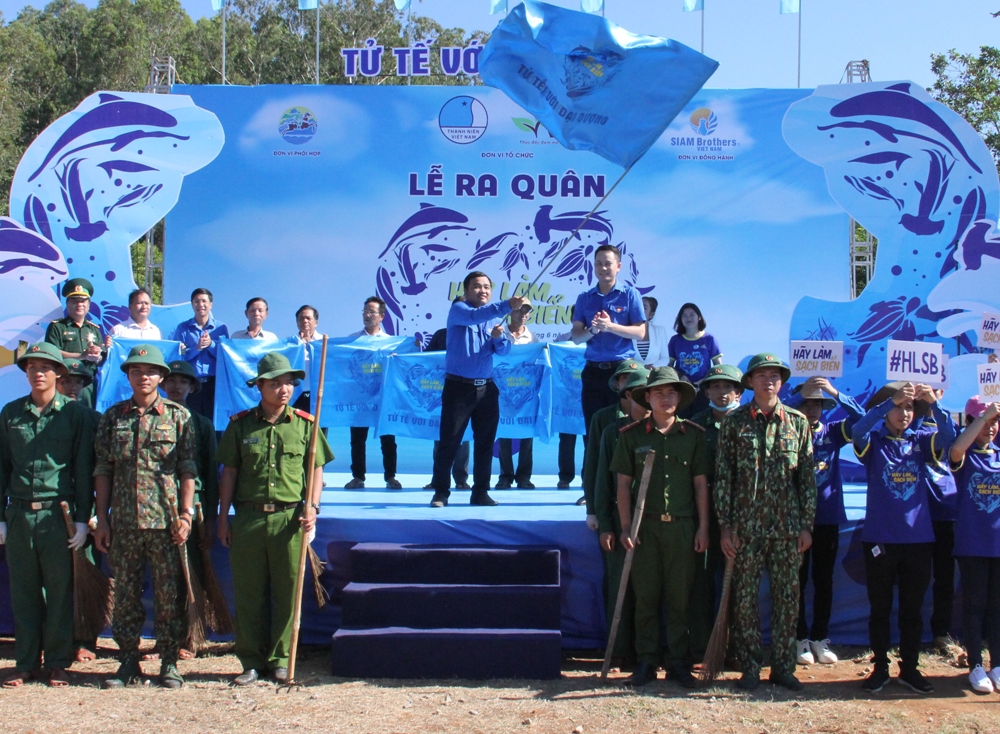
[633,424]
[237,416]
[302,414]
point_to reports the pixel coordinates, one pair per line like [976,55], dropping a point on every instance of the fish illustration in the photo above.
[545,224]
[29,255]
[76,204]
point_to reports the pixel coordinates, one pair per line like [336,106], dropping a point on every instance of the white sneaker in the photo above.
[805,654]
[994,675]
[979,681]
[822,652]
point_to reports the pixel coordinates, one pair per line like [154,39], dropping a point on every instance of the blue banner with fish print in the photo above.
[525,392]
[112,383]
[411,395]
[567,362]
[237,363]
[352,384]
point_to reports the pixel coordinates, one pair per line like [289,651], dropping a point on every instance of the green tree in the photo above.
[970,85]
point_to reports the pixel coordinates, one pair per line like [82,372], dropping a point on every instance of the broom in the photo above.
[195,598]
[93,592]
[715,653]
[216,610]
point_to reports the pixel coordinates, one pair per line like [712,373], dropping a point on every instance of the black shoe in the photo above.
[786,680]
[503,484]
[876,680]
[525,485]
[128,672]
[643,674]
[914,679]
[170,677]
[429,486]
[462,485]
[280,675]
[482,499]
[562,485]
[581,502]
[439,500]
[748,681]
[247,678]
[682,676]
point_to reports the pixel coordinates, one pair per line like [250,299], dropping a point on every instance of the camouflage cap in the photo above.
[666,376]
[272,365]
[625,367]
[78,287]
[76,368]
[816,394]
[723,372]
[634,379]
[184,369]
[765,359]
[145,354]
[42,350]
[884,393]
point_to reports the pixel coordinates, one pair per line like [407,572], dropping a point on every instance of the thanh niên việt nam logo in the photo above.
[463,119]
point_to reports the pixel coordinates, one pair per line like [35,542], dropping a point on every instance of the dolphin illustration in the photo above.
[21,247]
[428,214]
[76,204]
[569,222]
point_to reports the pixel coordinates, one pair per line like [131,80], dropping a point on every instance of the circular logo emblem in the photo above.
[703,121]
[74,365]
[142,352]
[36,349]
[297,125]
[463,120]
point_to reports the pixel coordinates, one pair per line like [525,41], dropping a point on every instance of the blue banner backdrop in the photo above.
[237,363]
[112,383]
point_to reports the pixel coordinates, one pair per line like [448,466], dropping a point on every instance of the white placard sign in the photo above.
[817,358]
[917,362]
[989,331]
[989,382]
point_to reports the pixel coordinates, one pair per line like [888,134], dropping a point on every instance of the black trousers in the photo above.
[822,557]
[567,457]
[980,608]
[203,401]
[944,578]
[460,469]
[359,460]
[462,402]
[596,393]
[524,460]
[908,566]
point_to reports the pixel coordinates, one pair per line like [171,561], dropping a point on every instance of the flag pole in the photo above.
[317,42]
[798,78]
[703,27]
[224,4]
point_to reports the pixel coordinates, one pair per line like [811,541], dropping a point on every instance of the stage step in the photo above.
[428,606]
[476,654]
[393,563]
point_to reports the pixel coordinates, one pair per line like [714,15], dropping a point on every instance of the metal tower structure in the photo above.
[162,76]
[863,246]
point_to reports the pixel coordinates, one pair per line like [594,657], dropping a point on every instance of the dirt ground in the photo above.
[832,702]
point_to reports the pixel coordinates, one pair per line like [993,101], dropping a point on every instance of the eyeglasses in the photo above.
[371,313]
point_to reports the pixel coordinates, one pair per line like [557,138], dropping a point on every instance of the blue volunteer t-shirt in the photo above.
[940,485]
[624,305]
[693,357]
[977,520]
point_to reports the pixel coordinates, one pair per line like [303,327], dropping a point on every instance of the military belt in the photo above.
[24,505]
[665,517]
[268,507]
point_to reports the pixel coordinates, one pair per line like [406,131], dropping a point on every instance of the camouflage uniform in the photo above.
[765,489]
[145,456]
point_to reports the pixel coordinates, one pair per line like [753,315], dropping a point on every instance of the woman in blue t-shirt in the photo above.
[693,352]
[976,466]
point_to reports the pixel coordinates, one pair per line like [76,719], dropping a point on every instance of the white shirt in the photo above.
[659,338]
[131,330]
[378,334]
[245,334]
[526,336]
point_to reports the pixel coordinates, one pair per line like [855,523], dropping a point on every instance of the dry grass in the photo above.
[833,702]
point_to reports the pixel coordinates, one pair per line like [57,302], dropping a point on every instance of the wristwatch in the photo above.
[314,506]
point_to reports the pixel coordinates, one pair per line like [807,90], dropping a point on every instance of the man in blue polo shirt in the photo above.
[475,334]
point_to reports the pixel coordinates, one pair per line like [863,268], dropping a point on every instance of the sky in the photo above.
[755,45]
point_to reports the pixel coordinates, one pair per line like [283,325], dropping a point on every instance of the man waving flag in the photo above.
[594,85]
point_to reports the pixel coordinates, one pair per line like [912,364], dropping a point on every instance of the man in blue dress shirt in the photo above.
[475,334]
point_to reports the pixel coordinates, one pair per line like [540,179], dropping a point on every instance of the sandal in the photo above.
[16,679]
[58,678]
[84,655]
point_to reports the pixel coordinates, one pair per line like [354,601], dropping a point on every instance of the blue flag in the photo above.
[592,6]
[520,378]
[411,395]
[593,85]
[401,5]
[112,383]
[237,363]
[308,4]
[498,6]
[352,390]
[217,5]
[789,6]
[692,5]
[567,363]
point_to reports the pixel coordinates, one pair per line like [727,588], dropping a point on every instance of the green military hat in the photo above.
[765,359]
[41,350]
[884,393]
[272,365]
[720,372]
[180,367]
[816,394]
[666,376]
[636,378]
[78,287]
[146,354]
[77,368]
[625,367]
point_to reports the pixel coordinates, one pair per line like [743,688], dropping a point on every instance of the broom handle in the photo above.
[300,579]
[70,527]
[184,559]
[640,504]
[200,519]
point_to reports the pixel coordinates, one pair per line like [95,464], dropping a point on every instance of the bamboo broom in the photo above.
[93,592]
[216,610]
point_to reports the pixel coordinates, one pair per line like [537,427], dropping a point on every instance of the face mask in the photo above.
[725,408]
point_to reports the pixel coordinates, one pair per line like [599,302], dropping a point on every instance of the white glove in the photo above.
[3,533]
[312,534]
[592,522]
[76,542]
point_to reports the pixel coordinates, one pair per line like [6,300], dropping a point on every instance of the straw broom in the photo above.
[715,653]
[216,610]
[195,598]
[93,592]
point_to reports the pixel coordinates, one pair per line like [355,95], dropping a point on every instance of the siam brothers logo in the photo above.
[704,121]
[700,147]
[463,120]
[297,126]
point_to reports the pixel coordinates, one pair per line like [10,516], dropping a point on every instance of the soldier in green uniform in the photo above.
[75,336]
[263,454]
[608,523]
[765,496]
[181,382]
[146,466]
[723,389]
[46,457]
[674,525]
